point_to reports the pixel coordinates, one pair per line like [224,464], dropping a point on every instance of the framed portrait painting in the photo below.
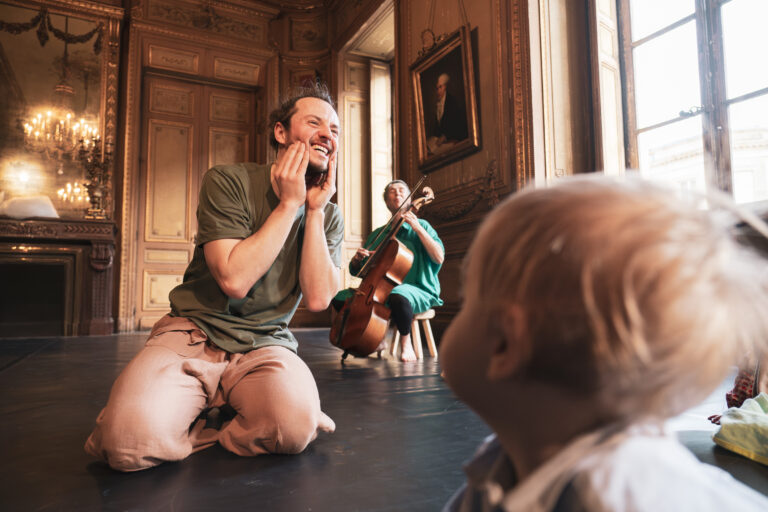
[446,108]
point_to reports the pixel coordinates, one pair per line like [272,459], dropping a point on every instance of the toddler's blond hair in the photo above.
[630,293]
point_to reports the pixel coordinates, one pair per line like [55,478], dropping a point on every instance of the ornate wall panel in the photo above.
[157,285]
[229,109]
[227,146]
[174,59]
[171,100]
[356,76]
[355,168]
[166,256]
[168,178]
[236,71]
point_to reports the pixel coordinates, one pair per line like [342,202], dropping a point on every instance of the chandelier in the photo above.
[55,131]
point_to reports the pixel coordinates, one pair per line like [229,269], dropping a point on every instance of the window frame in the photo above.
[714,107]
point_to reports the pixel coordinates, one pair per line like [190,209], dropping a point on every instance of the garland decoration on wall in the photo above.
[43,23]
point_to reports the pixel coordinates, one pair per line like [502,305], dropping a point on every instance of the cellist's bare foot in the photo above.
[407,354]
[382,346]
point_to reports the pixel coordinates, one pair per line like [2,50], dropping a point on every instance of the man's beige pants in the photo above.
[152,412]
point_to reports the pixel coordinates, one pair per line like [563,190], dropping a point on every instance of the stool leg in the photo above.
[430,339]
[416,337]
[395,343]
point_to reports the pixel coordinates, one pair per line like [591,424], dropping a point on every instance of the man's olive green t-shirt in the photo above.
[235,201]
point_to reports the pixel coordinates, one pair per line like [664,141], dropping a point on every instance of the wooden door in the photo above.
[187,128]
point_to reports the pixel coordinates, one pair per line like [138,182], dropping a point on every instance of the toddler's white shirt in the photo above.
[642,469]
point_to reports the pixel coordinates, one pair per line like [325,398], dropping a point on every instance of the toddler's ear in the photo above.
[512,343]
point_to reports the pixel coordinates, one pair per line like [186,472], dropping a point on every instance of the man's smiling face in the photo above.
[315,123]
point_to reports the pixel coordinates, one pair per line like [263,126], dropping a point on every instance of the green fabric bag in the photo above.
[744,430]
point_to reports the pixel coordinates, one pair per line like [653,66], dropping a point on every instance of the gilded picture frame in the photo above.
[444,90]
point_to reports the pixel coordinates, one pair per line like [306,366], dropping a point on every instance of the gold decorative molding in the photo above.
[522,113]
[204,39]
[72,7]
[128,252]
[502,118]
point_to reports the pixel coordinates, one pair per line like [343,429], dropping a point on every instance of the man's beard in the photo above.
[315,175]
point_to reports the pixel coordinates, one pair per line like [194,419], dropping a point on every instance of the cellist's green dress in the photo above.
[420,286]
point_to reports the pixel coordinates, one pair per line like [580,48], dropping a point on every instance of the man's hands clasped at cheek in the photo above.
[318,197]
[289,176]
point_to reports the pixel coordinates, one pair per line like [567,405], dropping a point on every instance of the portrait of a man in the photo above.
[445,110]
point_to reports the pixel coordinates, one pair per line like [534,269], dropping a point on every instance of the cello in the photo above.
[362,322]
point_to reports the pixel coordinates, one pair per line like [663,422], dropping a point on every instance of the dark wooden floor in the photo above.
[400,441]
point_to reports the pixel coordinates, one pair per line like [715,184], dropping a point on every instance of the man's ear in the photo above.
[512,344]
[280,134]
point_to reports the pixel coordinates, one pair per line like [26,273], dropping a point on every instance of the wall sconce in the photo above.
[97,175]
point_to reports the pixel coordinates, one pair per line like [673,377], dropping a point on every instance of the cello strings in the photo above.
[384,233]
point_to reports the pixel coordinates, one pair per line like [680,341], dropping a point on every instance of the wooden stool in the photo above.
[416,335]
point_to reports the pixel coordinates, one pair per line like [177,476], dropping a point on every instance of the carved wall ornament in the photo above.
[488,189]
[89,228]
[428,39]
[10,227]
[308,35]
[206,19]
[102,256]
[67,229]
[43,23]
[137,10]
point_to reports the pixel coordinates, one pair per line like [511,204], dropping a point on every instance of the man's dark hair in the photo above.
[287,108]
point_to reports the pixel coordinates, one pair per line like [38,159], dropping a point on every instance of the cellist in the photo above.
[420,289]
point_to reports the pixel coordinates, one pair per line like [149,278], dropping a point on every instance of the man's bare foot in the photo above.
[407,354]
[325,423]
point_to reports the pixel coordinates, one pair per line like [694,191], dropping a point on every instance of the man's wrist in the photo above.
[315,213]
[288,207]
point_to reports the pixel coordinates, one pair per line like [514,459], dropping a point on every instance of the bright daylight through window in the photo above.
[697,93]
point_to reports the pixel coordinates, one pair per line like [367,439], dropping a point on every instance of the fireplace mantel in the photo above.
[85,247]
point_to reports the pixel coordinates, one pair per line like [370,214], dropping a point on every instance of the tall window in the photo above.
[696,82]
